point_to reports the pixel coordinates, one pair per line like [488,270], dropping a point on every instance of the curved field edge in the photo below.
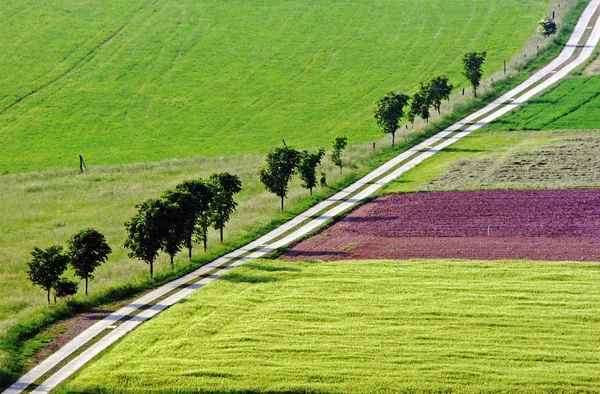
[17,345]
[368,326]
[142,73]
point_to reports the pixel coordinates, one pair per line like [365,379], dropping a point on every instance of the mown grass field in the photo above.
[369,326]
[572,104]
[509,160]
[131,81]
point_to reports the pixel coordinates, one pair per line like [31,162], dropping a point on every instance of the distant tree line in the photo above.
[393,107]
[169,224]
[86,250]
[283,162]
[181,216]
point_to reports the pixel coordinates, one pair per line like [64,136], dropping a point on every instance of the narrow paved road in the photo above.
[71,357]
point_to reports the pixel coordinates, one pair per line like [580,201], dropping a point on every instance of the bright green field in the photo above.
[572,104]
[129,81]
[369,326]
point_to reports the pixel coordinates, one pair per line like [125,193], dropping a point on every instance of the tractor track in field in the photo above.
[71,357]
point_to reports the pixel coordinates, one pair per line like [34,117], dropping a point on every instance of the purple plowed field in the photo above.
[487,225]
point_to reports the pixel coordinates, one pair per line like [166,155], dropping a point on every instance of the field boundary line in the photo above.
[573,54]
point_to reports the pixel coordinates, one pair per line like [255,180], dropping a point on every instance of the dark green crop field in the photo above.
[573,104]
[370,327]
[146,80]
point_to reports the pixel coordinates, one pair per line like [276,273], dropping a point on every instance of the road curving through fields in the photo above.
[71,357]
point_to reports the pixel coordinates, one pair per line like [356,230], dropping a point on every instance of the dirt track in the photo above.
[535,224]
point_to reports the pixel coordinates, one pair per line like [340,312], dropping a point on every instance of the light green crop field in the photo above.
[572,104]
[369,326]
[147,80]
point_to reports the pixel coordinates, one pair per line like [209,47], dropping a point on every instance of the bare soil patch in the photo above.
[560,225]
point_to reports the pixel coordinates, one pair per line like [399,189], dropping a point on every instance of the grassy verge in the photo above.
[413,326]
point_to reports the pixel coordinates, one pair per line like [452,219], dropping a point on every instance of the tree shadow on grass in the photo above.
[464,150]
[270,268]
[240,278]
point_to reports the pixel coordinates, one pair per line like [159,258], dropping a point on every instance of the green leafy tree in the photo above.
[339,144]
[472,68]
[224,186]
[307,168]
[546,26]
[179,217]
[425,101]
[47,266]
[64,288]
[389,111]
[88,250]
[280,165]
[145,232]
[419,105]
[439,90]
[203,195]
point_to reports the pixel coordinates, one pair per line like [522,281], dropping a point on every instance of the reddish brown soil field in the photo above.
[487,225]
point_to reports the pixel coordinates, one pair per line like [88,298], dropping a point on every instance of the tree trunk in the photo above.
[393,138]
[171,257]
[282,204]
[340,170]
[221,231]
[310,189]
[204,241]
[48,296]
[189,246]
[152,269]
[475,91]
[86,285]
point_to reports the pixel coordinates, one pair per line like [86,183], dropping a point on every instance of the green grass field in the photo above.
[131,81]
[572,104]
[369,326]
[560,149]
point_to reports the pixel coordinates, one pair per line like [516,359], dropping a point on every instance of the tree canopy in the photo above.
[47,266]
[145,232]
[389,111]
[224,186]
[472,68]
[179,218]
[88,250]
[203,195]
[307,168]
[279,167]
[546,26]
[339,144]
[439,90]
